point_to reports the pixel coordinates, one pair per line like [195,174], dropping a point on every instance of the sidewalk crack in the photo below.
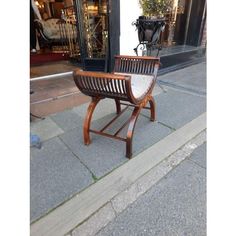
[167,126]
[188,158]
[94,177]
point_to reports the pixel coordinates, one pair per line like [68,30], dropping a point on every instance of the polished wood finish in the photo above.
[88,118]
[101,85]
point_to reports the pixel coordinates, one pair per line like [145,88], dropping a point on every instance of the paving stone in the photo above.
[175,108]
[174,206]
[67,120]
[45,129]
[104,154]
[55,175]
[199,155]
[191,78]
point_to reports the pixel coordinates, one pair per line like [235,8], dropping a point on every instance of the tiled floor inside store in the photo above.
[51,68]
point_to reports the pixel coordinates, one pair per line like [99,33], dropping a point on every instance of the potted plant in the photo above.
[155,9]
[152,22]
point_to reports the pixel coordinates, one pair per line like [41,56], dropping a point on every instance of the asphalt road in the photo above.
[175,206]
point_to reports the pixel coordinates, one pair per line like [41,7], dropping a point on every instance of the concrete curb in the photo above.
[121,187]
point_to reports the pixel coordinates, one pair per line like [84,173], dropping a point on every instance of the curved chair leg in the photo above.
[88,118]
[130,132]
[118,107]
[153,108]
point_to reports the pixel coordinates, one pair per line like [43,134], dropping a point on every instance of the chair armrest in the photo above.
[100,84]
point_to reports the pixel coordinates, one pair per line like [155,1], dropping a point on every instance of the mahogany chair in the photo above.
[130,84]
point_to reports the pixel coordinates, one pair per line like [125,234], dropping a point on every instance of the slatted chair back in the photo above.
[98,84]
[137,65]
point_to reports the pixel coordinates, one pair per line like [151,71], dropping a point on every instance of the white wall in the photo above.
[129,12]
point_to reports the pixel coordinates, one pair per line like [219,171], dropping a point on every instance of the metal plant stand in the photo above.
[149,31]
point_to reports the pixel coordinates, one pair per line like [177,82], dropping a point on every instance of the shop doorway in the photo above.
[99,26]
[56,34]
[76,32]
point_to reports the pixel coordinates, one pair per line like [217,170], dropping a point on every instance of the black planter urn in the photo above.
[149,30]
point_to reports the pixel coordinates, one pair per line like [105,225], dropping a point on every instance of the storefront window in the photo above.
[175,24]
[96,27]
[57,33]
[185,23]
[54,25]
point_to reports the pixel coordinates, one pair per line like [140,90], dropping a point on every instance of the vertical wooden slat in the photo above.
[128,65]
[132,64]
[83,82]
[122,65]
[98,81]
[142,67]
[150,66]
[125,65]
[89,83]
[124,87]
[146,67]
[137,66]
[113,87]
[107,86]
[119,86]
[103,85]
[116,86]
[93,83]
[86,82]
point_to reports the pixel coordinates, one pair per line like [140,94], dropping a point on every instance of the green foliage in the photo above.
[156,7]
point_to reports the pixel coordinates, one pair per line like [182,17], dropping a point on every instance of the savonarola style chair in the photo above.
[132,81]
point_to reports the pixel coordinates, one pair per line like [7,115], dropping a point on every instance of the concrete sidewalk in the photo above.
[63,167]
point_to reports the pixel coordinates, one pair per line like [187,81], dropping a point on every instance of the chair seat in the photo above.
[140,84]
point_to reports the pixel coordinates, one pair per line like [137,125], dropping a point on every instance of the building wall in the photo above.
[129,12]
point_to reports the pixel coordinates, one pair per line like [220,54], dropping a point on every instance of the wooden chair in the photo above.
[130,84]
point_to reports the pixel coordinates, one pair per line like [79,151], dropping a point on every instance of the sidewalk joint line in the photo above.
[92,174]
[167,126]
[188,158]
